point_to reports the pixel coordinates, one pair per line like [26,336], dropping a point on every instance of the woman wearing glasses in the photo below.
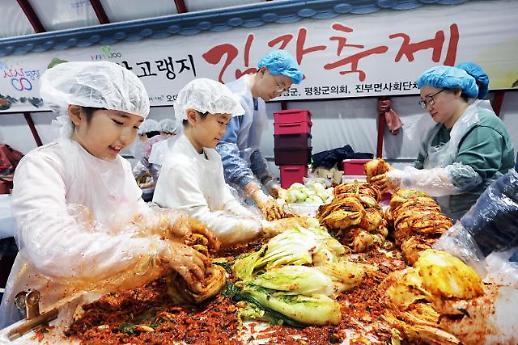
[466,151]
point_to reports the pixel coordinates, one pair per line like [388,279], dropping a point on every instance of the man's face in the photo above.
[270,86]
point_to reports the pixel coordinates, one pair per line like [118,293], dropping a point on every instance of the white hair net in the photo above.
[206,95]
[147,126]
[99,84]
[168,125]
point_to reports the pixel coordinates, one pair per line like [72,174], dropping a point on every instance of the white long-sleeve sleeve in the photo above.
[57,243]
[182,192]
[195,183]
[233,206]
[450,180]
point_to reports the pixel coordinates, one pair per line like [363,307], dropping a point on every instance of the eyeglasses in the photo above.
[429,100]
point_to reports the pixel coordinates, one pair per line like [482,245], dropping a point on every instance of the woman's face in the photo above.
[270,86]
[107,133]
[440,103]
[208,132]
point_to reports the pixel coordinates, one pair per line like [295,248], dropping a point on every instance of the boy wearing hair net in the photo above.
[81,223]
[466,151]
[245,167]
[191,178]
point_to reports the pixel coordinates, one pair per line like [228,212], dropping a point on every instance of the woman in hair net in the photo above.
[245,167]
[81,223]
[144,167]
[466,151]
[191,178]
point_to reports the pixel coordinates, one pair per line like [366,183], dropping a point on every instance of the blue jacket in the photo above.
[239,148]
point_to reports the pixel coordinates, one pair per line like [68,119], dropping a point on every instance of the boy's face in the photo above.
[210,130]
[206,131]
[270,86]
[107,133]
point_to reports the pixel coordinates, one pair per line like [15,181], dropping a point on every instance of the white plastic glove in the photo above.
[268,205]
[188,262]
[273,187]
[450,180]
[389,181]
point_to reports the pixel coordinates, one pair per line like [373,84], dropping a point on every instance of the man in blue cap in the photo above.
[244,166]
[466,151]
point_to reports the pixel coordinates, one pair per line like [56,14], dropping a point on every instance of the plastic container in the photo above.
[354,166]
[302,127]
[292,141]
[296,156]
[292,115]
[291,174]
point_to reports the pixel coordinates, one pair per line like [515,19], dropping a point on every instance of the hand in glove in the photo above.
[272,187]
[268,206]
[387,182]
[202,236]
[450,180]
[271,209]
[186,261]
[180,226]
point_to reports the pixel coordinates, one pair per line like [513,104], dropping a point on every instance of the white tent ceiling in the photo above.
[67,14]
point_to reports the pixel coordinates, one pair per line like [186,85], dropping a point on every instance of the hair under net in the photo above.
[149,125]
[168,125]
[206,96]
[99,84]
[447,77]
[281,62]
[481,78]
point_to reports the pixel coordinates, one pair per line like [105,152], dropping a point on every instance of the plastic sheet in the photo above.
[490,226]
[502,268]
